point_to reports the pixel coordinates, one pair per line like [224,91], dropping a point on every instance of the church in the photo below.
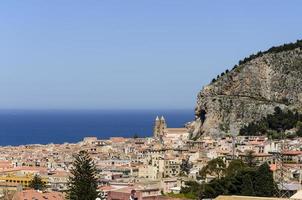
[162,132]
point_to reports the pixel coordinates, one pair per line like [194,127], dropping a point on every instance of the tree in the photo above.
[299,129]
[264,182]
[135,136]
[37,183]
[185,166]
[274,124]
[247,181]
[235,167]
[83,181]
[215,167]
[247,185]
[250,159]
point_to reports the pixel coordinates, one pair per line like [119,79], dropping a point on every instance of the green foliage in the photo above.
[235,167]
[135,136]
[192,189]
[285,47]
[250,159]
[299,129]
[83,182]
[225,127]
[247,185]
[273,124]
[264,182]
[182,195]
[239,179]
[36,183]
[272,134]
[185,167]
[215,167]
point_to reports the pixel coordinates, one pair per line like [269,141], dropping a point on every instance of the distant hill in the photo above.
[250,91]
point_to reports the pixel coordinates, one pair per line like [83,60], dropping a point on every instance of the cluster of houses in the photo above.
[153,166]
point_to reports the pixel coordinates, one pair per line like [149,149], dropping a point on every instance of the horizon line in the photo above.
[92,109]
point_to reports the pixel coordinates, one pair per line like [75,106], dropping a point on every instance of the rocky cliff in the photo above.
[250,91]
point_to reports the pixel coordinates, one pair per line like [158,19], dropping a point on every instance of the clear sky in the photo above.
[61,54]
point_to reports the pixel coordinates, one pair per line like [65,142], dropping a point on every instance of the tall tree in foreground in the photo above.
[247,185]
[264,182]
[83,181]
[37,183]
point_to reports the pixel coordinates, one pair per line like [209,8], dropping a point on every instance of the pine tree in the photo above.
[83,181]
[37,183]
[264,182]
[247,185]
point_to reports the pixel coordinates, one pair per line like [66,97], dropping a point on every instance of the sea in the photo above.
[20,127]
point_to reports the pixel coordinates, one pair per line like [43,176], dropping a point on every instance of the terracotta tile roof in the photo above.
[292,153]
[38,195]
[256,142]
[25,168]
[107,188]
[118,139]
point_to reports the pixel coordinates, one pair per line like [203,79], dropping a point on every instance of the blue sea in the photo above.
[19,127]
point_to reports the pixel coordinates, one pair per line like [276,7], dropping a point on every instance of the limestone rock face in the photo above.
[248,93]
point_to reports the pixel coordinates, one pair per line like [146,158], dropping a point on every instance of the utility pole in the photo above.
[233,146]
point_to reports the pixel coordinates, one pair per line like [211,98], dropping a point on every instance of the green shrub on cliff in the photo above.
[273,124]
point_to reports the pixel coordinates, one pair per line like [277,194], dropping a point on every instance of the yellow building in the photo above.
[24,179]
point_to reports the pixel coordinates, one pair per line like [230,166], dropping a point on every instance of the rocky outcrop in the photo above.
[249,92]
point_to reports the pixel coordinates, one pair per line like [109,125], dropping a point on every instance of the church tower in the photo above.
[160,127]
[163,124]
[156,127]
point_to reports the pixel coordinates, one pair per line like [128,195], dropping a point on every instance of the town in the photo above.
[155,167]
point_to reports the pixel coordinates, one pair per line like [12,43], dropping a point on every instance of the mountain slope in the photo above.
[250,91]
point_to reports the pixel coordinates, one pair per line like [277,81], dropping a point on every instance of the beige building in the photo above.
[169,185]
[148,172]
[169,168]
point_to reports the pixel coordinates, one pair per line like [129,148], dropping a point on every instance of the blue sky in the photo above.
[62,54]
